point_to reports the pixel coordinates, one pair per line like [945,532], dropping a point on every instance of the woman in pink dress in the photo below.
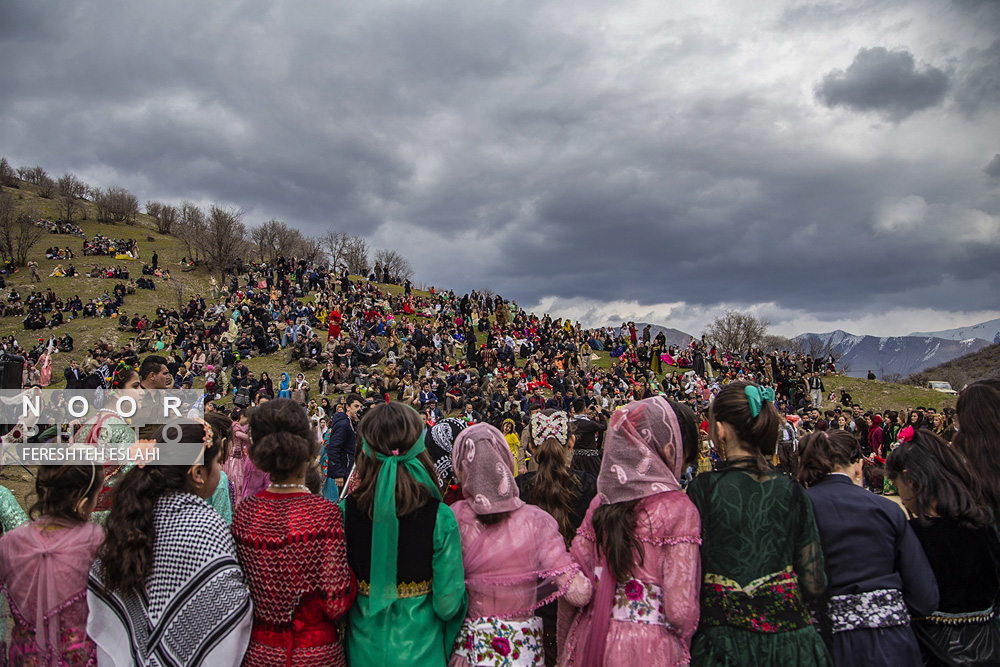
[44,565]
[45,368]
[644,610]
[235,465]
[514,556]
[255,480]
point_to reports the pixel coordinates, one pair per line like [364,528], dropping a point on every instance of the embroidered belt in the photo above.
[964,618]
[883,608]
[586,452]
[499,643]
[772,603]
[412,589]
[639,602]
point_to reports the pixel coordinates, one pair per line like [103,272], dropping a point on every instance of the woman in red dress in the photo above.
[292,548]
[333,324]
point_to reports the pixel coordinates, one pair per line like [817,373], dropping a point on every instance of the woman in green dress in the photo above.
[404,547]
[760,554]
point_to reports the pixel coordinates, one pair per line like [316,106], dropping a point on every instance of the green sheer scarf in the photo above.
[385,529]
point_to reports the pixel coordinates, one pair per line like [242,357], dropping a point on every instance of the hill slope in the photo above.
[962,370]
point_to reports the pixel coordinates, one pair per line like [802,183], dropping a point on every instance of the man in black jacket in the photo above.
[341,442]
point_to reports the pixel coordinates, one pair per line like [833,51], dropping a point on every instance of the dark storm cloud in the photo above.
[524,146]
[993,168]
[979,85]
[886,82]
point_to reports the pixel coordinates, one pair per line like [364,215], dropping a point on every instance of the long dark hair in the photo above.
[820,453]
[387,427]
[978,437]
[553,488]
[941,478]
[126,556]
[614,524]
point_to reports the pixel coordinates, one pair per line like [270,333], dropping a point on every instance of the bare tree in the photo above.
[33,175]
[18,232]
[8,178]
[164,215]
[225,236]
[46,187]
[310,249]
[355,258]
[71,191]
[737,332]
[116,204]
[191,228]
[399,267]
[177,288]
[335,245]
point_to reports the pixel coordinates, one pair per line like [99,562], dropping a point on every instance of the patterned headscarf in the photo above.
[643,452]
[485,467]
[440,444]
[555,426]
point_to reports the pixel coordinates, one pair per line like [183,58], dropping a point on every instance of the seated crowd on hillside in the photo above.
[462,485]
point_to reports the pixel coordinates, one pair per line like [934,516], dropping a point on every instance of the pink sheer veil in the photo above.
[643,455]
[514,566]
[50,566]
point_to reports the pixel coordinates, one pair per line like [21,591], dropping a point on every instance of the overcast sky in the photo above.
[827,164]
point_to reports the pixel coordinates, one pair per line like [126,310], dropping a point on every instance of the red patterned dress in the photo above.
[293,552]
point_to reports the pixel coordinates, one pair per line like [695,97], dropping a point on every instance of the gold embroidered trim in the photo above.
[412,589]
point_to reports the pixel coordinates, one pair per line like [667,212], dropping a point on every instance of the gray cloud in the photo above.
[538,148]
[979,85]
[886,82]
[993,168]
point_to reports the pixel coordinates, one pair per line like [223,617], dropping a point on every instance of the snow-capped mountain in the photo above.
[986,330]
[896,354]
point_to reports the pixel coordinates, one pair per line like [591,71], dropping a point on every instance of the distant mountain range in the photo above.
[895,355]
[986,330]
[902,355]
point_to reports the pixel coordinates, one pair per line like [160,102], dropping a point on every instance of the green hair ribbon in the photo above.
[385,528]
[756,397]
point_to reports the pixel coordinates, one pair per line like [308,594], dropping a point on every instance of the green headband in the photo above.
[756,397]
[385,529]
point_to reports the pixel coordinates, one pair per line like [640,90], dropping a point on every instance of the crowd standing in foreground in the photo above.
[563,514]
[428,563]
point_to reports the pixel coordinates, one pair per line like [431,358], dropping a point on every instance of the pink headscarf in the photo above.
[484,467]
[643,452]
[643,455]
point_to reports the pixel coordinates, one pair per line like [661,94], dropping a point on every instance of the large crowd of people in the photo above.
[463,484]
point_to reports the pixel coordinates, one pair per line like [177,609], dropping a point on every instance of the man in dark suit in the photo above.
[73,375]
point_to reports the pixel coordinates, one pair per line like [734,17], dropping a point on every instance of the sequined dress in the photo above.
[294,554]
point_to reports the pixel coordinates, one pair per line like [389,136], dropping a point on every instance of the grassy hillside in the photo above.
[86,332]
[962,370]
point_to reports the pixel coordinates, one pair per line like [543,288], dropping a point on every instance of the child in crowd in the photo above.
[292,548]
[639,544]
[44,565]
[875,568]
[761,553]
[515,559]
[404,546]
[937,487]
[167,587]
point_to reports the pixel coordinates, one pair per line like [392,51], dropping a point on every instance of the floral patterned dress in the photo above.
[760,557]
